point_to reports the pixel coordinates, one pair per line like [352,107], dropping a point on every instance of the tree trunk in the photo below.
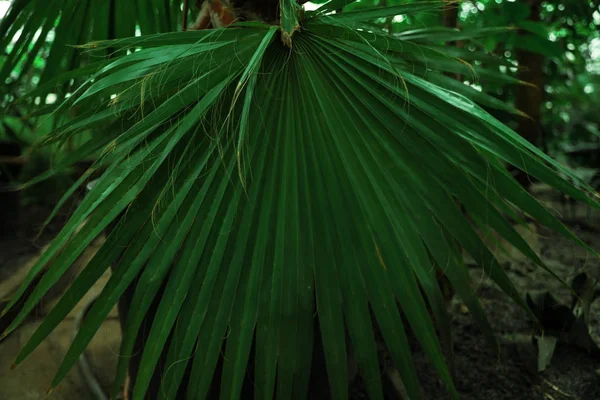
[450,17]
[450,20]
[529,98]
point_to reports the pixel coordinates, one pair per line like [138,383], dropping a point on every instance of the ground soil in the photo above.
[480,374]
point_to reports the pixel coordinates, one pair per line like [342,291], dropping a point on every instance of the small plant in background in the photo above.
[270,181]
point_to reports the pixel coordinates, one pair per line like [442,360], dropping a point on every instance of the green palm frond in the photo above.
[50,29]
[262,184]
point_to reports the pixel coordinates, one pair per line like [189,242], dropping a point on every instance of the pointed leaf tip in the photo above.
[291,12]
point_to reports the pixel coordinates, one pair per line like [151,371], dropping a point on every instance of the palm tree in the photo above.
[262,180]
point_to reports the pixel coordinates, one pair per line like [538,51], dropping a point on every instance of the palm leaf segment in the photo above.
[50,28]
[262,183]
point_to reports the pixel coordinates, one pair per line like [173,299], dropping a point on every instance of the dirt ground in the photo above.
[31,379]
[480,374]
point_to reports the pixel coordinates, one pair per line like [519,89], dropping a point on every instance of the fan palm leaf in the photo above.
[29,26]
[264,187]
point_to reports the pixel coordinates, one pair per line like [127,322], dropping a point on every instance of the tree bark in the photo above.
[529,98]
[450,17]
[450,20]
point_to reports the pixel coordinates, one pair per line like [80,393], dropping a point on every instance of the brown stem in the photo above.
[529,97]
[451,15]
[184,15]
[450,19]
